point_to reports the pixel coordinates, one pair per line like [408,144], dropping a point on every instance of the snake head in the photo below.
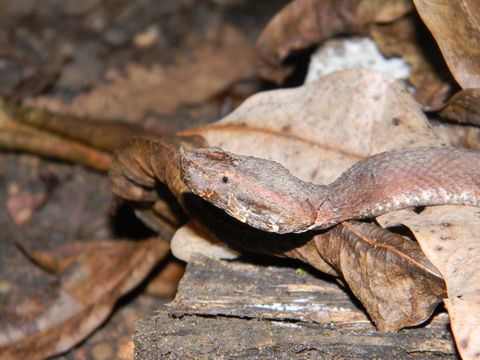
[259,192]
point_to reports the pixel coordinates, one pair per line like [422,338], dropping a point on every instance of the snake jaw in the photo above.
[236,210]
[244,214]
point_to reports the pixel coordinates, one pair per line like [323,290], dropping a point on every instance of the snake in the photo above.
[265,195]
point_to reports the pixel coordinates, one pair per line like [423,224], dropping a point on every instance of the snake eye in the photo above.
[225,179]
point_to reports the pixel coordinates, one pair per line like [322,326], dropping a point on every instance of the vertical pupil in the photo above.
[225,179]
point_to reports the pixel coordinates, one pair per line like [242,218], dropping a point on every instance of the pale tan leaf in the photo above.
[191,239]
[465,324]
[136,91]
[320,129]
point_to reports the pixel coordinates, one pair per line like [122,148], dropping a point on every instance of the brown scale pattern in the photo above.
[403,178]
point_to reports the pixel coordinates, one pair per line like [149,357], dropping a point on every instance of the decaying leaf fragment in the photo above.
[51,321]
[455,25]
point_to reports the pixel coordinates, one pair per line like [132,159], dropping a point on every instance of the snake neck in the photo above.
[325,203]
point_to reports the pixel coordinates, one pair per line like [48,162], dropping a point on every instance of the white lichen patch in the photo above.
[283,324]
[298,307]
[353,53]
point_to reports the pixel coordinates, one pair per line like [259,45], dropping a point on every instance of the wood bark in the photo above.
[241,310]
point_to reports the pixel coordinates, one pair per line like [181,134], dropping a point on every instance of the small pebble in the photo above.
[146,38]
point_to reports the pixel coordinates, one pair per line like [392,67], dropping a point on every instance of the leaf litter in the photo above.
[317,131]
[73,217]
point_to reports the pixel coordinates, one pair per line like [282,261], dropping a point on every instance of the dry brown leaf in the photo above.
[51,322]
[409,39]
[388,272]
[448,236]
[137,91]
[455,25]
[304,23]
[103,135]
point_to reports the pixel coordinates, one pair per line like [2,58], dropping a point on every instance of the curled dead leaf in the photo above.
[463,107]
[388,272]
[408,38]
[303,23]
[459,44]
[448,236]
